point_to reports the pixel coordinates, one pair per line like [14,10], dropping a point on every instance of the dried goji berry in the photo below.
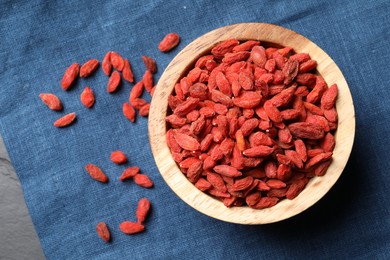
[128,111]
[129,173]
[88,68]
[51,101]
[106,64]
[117,61]
[170,41]
[96,173]
[127,72]
[256,122]
[87,97]
[131,228]
[142,209]
[113,81]
[65,120]
[143,180]
[103,231]
[118,157]
[70,76]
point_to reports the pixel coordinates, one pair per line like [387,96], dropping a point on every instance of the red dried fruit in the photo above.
[187,142]
[51,101]
[103,232]
[148,80]
[266,202]
[295,188]
[127,72]
[307,66]
[329,97]
[318,159]
[129,173]
[242,184]
[289,114]
[130,228]
[142,209]
[150,64]
[216,181]
[118,157]
[70,76]
[96,173]
[87,97]
[138,103]
[106,64]
[194,171]
[300,57]
[258,151]
[65,120]
[290,71]
[258,56]
[275,184]
[246,46]
[232,57]
[306,79]
[284,97]
[186,107]
[300,148]
[223,84]
[136,91]
[227,170]
[128,111]
[331,114]
[88,68]
[306,130]
[202,184]
[328,143]
[186,163]
[248,126]
[272,112]
[248,99]
[253,198]
[144,110]
[113,81]
[224,47]
[202,61]
[170,41]
[321,168]
[206,142]
[218,96]
[117,61]
[252,121]
[294,157]
[199,90]
[313,109]
[143,180]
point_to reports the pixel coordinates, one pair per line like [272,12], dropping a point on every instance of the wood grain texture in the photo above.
[316,188]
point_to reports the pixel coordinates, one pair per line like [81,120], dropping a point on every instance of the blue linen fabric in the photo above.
[40,39]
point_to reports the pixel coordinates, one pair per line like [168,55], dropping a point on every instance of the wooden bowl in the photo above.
[317,186]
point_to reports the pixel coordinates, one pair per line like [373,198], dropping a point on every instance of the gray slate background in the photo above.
[18,239]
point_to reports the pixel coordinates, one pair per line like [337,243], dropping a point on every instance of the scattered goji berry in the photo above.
[51,101]
[170,41]
[103,232]
[65,120]
[118,157]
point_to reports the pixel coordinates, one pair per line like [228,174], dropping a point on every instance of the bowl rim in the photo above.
[317,186]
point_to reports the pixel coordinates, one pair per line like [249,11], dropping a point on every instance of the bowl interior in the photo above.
[269,35]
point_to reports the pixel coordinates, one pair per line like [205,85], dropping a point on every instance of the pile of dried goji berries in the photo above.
[250,124]
[116,68]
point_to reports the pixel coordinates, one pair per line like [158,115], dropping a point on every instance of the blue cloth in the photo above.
[39,39]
